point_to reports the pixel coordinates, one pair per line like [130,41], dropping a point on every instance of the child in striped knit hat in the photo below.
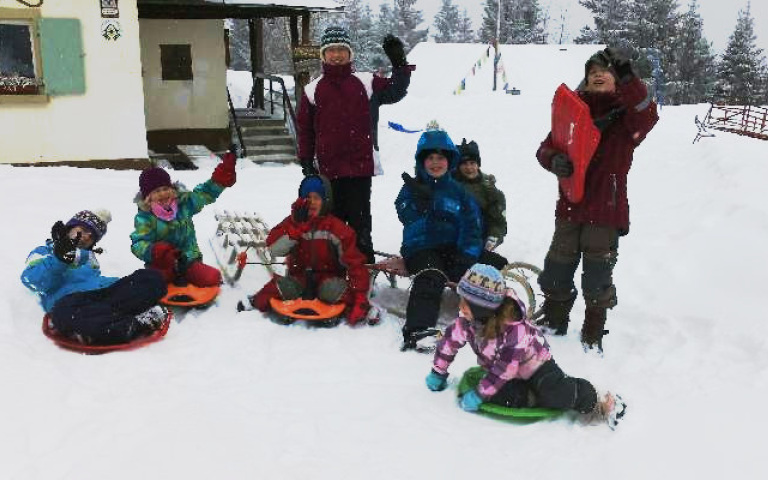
[513,352]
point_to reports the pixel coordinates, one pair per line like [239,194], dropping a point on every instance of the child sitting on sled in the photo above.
[321,254]
[164,233]
[509,348]
[441,233]
[83,304]
[490,200]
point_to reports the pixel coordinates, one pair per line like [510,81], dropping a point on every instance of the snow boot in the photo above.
[556,315]
[593,329]
[150,320]
[245,304]
[422,340]
[610,409]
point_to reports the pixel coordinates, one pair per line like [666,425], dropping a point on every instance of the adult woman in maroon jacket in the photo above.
[622,109]
[335,124]
[313,240]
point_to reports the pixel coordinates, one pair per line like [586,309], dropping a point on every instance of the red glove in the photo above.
[224,173]
[359,309]
[164,256]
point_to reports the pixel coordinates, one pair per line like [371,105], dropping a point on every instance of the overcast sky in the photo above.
[719,16]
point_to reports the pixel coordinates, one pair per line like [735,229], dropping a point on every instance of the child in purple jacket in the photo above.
[513,352]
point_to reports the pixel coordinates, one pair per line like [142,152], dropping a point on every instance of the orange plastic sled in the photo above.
[189,295]
[308,310]
[71,344]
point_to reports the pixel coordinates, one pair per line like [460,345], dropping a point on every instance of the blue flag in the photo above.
[399,128]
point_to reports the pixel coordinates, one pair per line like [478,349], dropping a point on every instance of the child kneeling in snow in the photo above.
[509,348]
[320,251]
[83,304]
[164,233]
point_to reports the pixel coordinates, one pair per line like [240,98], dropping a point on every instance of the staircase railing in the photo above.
[238,129]
[275,99]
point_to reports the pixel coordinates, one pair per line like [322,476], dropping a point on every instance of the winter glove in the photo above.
[470,401]
[359,309]
[308,167]
[395,51]
[300,210]
[491,243]
[422,195]
[64,248]
[165,256]
[437,381]
[561,165]
[224,173]
[620,64]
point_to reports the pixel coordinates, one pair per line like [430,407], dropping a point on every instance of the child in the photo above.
[492,320]
[622,109]
[335,126]
[441,233]
[491,200]
[321,252]
[164,235]
[83,304]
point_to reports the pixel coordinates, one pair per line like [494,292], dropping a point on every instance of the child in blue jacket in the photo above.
[441,233]
[83,304]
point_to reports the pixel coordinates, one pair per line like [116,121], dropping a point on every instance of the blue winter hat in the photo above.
[435,139]
[312,183]
[482,286]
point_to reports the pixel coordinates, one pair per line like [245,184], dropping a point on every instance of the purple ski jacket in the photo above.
[605,200]
[334,119]
[517,352]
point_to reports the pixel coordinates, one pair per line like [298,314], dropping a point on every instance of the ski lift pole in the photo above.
[496,45]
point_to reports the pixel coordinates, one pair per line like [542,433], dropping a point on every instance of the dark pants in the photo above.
[352,205]
[430,269]
[554,389]
[514,394]
[599,247]
[108,315]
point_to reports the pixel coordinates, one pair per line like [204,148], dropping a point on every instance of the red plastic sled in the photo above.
[308,310]
[189,296]
[71,344]
[574,134]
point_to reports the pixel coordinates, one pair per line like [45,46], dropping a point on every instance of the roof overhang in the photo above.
[202,9]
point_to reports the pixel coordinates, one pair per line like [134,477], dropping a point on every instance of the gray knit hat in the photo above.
[335,37]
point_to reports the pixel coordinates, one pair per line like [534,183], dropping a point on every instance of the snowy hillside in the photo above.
[235,396]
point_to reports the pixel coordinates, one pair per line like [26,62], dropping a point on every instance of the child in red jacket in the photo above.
[320,251]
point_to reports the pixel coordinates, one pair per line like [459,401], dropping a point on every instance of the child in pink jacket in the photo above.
[513,352]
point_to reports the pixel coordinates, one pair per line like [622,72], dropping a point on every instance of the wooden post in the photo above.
[256,40]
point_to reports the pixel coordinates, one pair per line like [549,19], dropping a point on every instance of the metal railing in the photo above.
[275,99]
[747,120]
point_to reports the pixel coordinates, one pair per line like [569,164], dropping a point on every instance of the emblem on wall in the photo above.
[111,29]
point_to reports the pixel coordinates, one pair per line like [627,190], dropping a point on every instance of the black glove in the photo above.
[395,51]
[422,195]
[620,63]
[308,167]
[300,210]
[64,248]
[561,165]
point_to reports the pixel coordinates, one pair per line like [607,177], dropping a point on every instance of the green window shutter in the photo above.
[61,49]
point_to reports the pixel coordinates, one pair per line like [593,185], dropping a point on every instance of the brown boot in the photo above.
[556,315]
[594,328]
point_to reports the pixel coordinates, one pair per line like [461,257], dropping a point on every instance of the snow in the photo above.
[228,395]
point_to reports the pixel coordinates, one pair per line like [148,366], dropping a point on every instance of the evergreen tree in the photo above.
[652,30]
[447,23]
[522,21]
[741,76]
[465,34]
[407,20]
[364,39]
[694,61]
[612,19]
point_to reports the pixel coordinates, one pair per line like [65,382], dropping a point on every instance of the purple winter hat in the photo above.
[153,178]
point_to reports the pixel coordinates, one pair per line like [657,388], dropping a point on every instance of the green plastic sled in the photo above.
[472,377]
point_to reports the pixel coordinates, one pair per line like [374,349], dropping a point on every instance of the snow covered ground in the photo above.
[235,396]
